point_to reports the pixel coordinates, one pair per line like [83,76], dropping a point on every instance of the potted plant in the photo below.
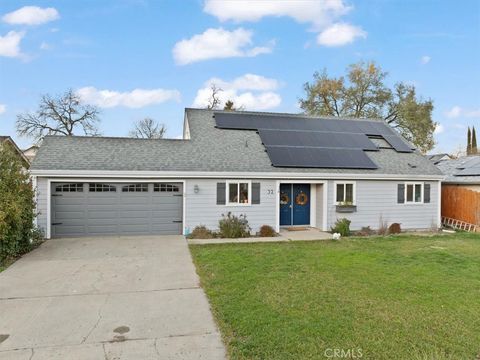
[346,207]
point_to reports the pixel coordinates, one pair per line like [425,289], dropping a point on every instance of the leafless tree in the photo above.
[214,102]
[148,129]
[61,115]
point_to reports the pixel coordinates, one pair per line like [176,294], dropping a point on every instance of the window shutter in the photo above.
[426,193]
[221,188]
[255,193]
[401,194]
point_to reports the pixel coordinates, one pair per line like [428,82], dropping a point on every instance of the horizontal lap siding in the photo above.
[375,199]
[41,198]
[202,208]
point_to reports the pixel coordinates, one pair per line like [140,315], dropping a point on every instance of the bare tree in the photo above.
[214,101]
[61,115]
[148,129]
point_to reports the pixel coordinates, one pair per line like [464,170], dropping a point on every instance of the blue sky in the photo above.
[138,58]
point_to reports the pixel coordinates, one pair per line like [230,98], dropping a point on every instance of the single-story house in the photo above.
[277,169]
[8,141]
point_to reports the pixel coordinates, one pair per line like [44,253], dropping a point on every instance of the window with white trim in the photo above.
[142,187]
[97,187]
[165,188]
[74,187]
[413,193]
[345,193]
[238,193]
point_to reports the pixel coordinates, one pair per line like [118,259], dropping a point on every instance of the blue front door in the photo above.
[294,204]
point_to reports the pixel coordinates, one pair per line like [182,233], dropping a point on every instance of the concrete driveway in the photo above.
[106,298]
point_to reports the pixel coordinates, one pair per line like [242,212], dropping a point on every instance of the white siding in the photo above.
[379,198]
[319,206]
[202,208]
[42,187]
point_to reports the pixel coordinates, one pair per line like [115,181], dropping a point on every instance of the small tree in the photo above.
[214,101]
[17,206]
[474,142]
[469,142]
[148,129]
[229,106]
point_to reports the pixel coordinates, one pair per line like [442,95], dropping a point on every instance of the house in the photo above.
[8,141]
[461,189]
[277,169]
[436,158]
[30,152]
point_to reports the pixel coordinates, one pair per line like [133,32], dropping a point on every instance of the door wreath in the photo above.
[284,199]
[301,199]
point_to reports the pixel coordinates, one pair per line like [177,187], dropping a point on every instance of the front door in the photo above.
[294,204]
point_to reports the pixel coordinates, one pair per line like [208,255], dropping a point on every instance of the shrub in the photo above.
[394,228]
[342,226]
[17,207]
[267,231]
[232,226]
[365,231]
[201,232]
[382,226]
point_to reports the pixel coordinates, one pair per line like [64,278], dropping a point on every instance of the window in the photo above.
[345,193]
[96,187]
[238,193]
[414,193]
[135,188]
[165,188]
[75,187]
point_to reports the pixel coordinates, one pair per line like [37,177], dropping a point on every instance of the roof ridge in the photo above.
[112,138]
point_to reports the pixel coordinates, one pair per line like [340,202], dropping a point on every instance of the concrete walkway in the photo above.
[106,298]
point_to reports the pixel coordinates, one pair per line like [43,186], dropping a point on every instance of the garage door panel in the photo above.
[116,213]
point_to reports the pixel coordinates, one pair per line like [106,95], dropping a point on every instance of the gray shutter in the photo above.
[255,193]
[221,193]
[401,193]
[426,193]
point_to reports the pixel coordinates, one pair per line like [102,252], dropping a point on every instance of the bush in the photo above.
[394,228]
[267,231]
[365,231]
[201,232]
[17,207]
[342,226]
[232,226]
[382,226]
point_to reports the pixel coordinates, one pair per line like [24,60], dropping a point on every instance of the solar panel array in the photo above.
[293,141]
[470,168]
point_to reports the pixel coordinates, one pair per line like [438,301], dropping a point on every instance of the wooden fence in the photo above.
[461,204]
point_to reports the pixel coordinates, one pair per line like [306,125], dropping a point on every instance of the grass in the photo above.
[402,297]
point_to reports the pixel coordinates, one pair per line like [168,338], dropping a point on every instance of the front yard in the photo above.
[404,297]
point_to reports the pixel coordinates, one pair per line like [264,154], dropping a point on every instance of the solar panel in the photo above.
[473,171]
[285,156]
[397,143]
[316,139]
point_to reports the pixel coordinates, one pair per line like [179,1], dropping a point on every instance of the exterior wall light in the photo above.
[196,189]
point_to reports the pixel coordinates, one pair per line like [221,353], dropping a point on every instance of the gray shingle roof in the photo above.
[209,149]
[454,168]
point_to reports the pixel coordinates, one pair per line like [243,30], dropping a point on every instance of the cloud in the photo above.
[136,98]
[3,108]
[340,34]
[218,43]
[31,15]
[425,59]
[457,111]
[250,91]
[10,44]
[317,13]
[45,46]
[439,129]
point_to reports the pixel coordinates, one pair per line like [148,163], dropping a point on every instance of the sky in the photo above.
[152,58]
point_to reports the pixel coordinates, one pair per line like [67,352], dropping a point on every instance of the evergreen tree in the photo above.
[474,142]
[469,141]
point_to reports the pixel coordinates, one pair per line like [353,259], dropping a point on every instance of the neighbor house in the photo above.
[281,170]
[461,189]
[8,141]
[30,152]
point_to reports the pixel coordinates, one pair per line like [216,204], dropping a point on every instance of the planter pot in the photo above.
[346,208]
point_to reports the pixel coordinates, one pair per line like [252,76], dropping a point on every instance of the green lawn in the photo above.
[404,297]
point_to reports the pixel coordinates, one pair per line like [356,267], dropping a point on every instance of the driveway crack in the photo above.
[33,353]
[98,320]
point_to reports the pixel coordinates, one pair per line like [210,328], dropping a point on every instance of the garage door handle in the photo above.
[177,221]
[57,195]
[57,223]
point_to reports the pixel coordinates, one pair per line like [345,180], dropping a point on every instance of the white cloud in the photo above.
[340,34]
[10,44]
[217,43]
[250,91]
[45,46]
[425,59]
[439,129]
[457,111]
[3,108]
[317,13]
[31,15]
[136,98]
